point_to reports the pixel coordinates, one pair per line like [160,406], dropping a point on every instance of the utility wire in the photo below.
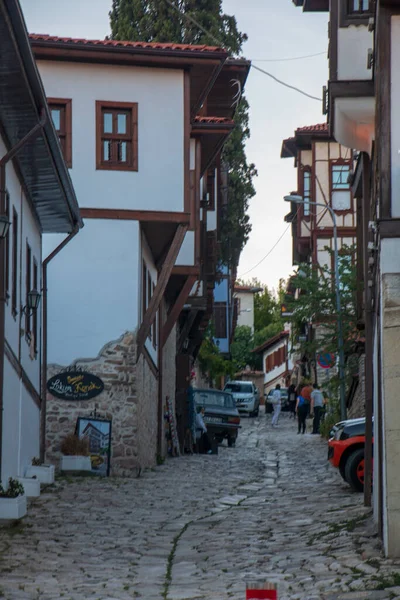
[221,44]
[322,210]
[287,59]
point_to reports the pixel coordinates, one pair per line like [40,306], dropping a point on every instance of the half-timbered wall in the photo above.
[329,164]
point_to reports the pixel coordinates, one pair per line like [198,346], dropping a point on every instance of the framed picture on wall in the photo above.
[98,433]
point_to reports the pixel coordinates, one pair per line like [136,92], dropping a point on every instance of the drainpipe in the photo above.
[3,162]
[44,337]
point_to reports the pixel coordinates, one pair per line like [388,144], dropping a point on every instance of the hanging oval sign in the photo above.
[75,385]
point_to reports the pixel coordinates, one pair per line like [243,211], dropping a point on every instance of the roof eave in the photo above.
[18,32]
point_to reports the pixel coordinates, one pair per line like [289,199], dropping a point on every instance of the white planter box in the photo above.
[44,473]
[13,508]
[76,463]
[31,486]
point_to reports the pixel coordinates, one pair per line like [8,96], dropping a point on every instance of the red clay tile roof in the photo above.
[39,37]
[200,119]
[320,128]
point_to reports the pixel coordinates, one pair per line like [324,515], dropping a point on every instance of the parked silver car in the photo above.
[246,396]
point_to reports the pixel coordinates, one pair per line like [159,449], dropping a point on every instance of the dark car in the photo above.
[221,415]
[269,407]
[346,451]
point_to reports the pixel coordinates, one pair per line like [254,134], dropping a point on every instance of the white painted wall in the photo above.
[21,427]
[390,255]
[271,376]
[10,439]
[353,44]
[186,253]
[93,289]
[158,184]
[395,117]
[246,309]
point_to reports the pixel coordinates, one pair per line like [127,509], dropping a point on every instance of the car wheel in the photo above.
[231,441]
[354,470]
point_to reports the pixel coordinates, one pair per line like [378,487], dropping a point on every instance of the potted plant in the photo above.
[44,473]
[75,454]
[12,500]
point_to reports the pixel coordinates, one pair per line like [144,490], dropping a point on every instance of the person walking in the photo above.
[303,407]
[317,407]
[292,400]
[276,403]
[202,440]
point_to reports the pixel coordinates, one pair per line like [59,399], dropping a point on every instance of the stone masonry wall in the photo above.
[168,381]
[129,398]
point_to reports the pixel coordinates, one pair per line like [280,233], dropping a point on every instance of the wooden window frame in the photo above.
[309,173]
[144,289]
[339,163]
[7,250]
[348,16]
[28,287]
[154,325]
[14,269]
[131,136]
[35,314]
[220,307]
[149,291]
[66,132]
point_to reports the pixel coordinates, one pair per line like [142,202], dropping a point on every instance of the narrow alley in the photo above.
[199,527]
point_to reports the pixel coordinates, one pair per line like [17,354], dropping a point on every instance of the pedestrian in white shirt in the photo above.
[276,403]
[202,440]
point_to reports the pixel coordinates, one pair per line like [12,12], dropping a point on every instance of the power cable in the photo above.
[283,234]
[221,44]
[287,59]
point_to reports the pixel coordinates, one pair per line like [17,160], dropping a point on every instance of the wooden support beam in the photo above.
[159,290]
[176,309]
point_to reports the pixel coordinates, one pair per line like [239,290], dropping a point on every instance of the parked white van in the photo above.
[246,396]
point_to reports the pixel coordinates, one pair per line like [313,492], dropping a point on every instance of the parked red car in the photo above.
[346,451]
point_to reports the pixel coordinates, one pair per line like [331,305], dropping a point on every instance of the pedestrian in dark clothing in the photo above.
[292,400]
[317,407]
[303,407]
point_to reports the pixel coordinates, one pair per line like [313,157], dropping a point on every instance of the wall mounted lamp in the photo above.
[4,226]
[33,300]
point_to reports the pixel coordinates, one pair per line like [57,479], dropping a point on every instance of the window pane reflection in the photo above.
[56,116]
[107,149]
[121,126]
[107,122]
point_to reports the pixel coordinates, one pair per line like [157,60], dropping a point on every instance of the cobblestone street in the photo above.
[199,527]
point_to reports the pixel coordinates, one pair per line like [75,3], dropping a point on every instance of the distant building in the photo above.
[244,297]
[276,360]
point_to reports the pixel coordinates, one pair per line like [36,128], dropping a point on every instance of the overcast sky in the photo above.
[276,30]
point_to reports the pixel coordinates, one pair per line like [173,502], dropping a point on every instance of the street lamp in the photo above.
[300,200]
[33,299]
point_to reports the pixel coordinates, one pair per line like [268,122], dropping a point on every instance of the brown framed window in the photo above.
[359,6]
[14,259]
[7,250]
[220,323]
[28,287]
[117,136]
[154,326]
[144,289]
[61,113]
[149,296]
[355,12]
[35,314]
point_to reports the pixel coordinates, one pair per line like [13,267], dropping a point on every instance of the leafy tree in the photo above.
[241,349]
[316,305]
[156,20]
[212,364]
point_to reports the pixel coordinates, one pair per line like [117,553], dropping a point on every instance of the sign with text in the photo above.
[261,591]
[75,385]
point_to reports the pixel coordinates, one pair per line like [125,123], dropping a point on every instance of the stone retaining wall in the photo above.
[129,399]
